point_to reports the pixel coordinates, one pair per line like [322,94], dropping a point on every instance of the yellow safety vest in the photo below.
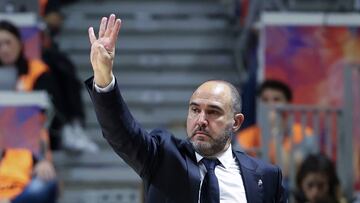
[15,172]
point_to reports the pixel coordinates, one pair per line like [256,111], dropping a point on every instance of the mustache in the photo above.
[200,130]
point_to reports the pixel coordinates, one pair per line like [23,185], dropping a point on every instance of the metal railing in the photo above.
[319,121]
[331,133]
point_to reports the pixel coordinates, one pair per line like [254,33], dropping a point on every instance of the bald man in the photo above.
[204,168]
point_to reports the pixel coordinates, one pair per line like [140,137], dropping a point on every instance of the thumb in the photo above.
[105,53]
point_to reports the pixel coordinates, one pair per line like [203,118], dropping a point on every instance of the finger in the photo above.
[115,32]
[103,52]
[93,53]
[110,25]
[92,36]
[102,27]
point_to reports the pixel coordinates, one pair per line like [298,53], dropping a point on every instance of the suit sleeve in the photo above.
[123,133]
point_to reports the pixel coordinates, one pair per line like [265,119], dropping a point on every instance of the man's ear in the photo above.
[239,119]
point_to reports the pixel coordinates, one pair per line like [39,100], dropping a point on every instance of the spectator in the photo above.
[72,128]
[31,74]
[273,92]
[26,179]
[34,74]
[50,12]
[317,181]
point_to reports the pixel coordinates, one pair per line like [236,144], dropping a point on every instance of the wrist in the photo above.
[102,80]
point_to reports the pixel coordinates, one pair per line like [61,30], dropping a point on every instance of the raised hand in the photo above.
[103,49]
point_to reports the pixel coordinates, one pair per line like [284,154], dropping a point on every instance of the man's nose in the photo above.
[202,120]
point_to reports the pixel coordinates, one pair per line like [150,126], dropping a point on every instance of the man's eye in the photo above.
[213,112]
[195,110]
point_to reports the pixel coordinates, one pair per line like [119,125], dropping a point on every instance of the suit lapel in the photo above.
[252,180]
[193,174]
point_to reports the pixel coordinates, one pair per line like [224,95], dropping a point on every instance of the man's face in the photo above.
[10,48]
[210,120]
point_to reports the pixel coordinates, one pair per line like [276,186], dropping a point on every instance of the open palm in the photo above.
[103,49]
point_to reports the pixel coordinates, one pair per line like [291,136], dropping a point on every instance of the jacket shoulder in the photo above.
[256,164]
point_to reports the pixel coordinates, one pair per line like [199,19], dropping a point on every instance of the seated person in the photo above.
[72,131]
[25,178]
[31,75]
[34,74]
[27,174]
[317,182]
[273,92]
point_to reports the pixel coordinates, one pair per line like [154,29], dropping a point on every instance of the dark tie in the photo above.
[210,187]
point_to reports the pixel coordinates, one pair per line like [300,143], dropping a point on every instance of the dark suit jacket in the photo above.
[167,164]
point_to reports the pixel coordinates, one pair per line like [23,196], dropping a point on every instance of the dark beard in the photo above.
[216,146]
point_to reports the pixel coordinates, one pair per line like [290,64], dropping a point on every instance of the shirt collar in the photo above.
[225,157]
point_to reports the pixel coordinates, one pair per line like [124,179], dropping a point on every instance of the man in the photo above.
[204,168]
[272,93]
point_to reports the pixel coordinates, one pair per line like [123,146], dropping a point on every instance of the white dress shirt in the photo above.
[231,185]
[107,88]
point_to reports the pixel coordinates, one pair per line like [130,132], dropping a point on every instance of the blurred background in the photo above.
[165,50]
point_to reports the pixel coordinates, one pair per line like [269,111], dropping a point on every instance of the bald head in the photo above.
[222,89]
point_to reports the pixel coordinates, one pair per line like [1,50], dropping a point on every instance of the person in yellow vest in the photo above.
[274,92]
[66,130]
[26,178]
[31,75]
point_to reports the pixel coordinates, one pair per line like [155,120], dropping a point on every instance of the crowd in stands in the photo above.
[28,177]
[316,178]
[53,72]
